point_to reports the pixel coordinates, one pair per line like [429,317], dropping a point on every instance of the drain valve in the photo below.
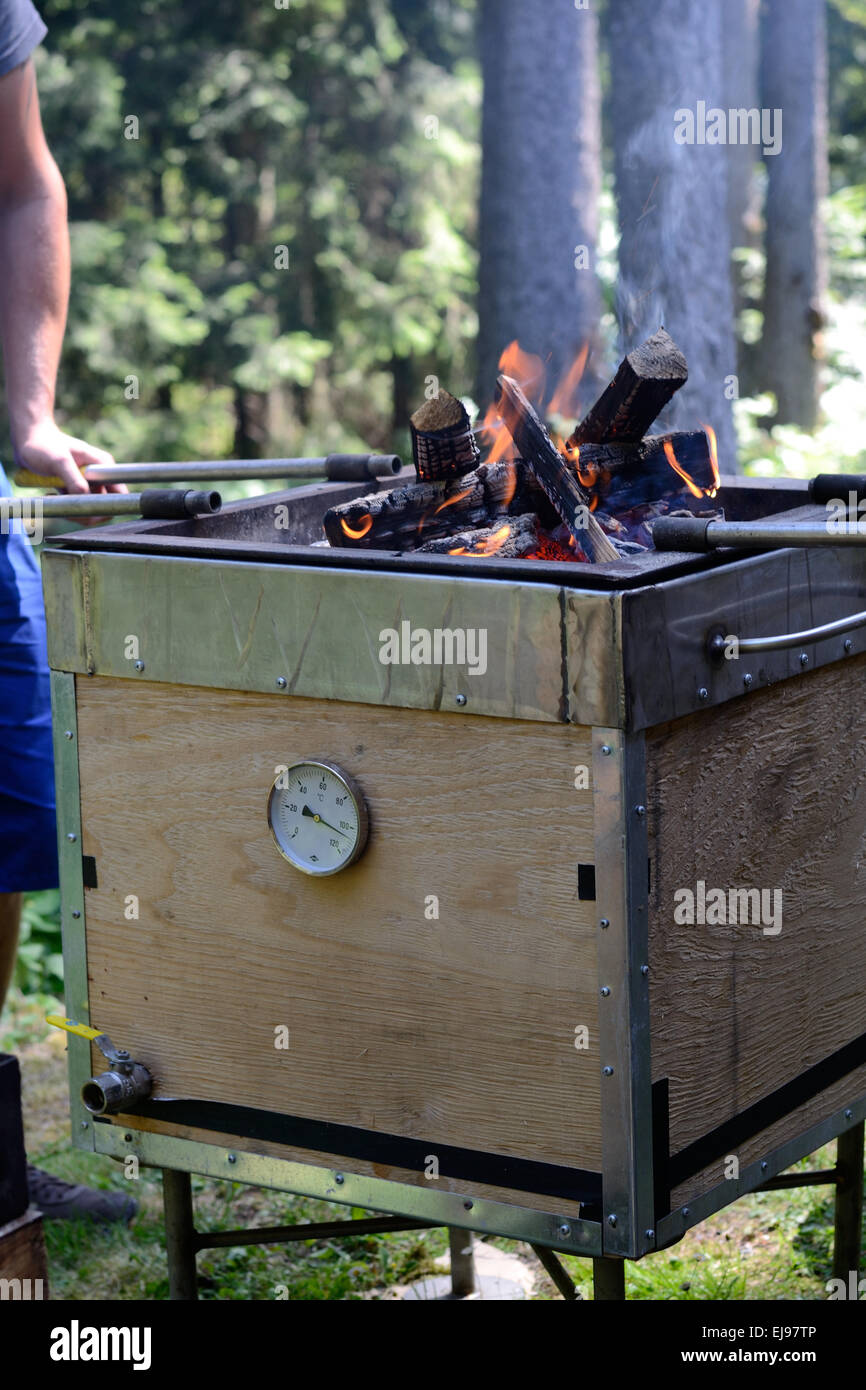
[124,1085]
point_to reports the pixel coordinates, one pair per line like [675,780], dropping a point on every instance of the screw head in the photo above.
[139,665]
[611,1220]
[747,680]
[606,749]
[604,991]
[764,1166]
[67,733]
[460,699]
[281,682]
[71,836]
[703,693]
[127,1138]
[76,912]
[232,1158]
[467,1206]
[685,1211]
[640,812]
[849,1114]
[848,646]
[565,1230]
[605,922]
[644,970]
[339,1179]
[804,660]
[607,1071]
[650,1234]
[85,1124]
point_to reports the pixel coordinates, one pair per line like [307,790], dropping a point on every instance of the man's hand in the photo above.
[46,450]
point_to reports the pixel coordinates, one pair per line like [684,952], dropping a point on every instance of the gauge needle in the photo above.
[307,812]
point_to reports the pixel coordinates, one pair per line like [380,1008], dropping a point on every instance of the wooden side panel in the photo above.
[768,792]
[459,1029]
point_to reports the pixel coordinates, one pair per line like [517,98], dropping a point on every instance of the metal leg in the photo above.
[179,1235]
[608,1279]
[462,1262]
[849,1204]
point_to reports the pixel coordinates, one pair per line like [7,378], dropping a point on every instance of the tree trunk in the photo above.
[794,80]
[740,76]
[540,183]
[674,255]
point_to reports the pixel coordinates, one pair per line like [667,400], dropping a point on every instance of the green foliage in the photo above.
[198,140]
[39,965]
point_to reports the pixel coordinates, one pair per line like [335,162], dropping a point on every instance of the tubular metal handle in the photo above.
[716,643]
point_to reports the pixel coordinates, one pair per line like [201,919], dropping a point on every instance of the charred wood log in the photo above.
[557,478]
[443,445]
[644,383]
[507,539]
[628,475]
[404,517]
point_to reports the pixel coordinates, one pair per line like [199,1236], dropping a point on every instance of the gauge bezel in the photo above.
[357,795]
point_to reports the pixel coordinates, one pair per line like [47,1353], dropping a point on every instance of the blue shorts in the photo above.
[28,836]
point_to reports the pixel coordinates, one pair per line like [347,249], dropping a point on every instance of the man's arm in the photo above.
[34,285]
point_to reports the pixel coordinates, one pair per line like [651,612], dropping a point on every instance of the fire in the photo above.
[528,371]
[496,541]
[366,523]
[488,546]
[672,460]
[564,399]
[449,502]
[714,458]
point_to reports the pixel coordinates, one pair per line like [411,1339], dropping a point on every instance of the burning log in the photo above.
[559,482]
[645,382]
[509,540]
[443,445]
[629,475]
[404,517]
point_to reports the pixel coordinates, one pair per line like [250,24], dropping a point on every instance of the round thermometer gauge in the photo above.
[318,817]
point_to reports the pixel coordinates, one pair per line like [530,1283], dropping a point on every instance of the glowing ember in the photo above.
[672,460]
[366,523]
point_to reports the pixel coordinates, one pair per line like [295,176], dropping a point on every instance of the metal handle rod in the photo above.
[159,503]
[717,642]
[334,467]
[698,535]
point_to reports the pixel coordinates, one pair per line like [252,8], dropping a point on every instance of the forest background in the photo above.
[287,218]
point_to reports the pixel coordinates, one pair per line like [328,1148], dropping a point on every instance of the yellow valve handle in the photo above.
[71,1025]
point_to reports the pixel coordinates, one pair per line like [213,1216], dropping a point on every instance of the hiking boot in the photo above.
[64,1201]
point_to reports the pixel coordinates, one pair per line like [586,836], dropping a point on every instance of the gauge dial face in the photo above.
[318,817]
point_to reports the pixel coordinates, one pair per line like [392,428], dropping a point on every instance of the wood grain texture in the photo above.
[22,1251]
[459,1030]
[768,792]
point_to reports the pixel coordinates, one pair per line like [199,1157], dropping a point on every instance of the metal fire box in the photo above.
[497,1010]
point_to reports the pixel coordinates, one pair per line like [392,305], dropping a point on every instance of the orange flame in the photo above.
[672,460]
[491,544]
[714,458]
[449,502]
[564,399]
[366,523]
[488,546]
[528,371]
